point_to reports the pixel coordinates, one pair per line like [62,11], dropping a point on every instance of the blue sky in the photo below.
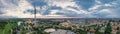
[60,8]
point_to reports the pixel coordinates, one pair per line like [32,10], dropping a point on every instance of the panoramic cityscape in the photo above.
[60,26]
[59,17]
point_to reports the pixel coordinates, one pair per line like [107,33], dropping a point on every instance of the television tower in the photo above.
[35,13]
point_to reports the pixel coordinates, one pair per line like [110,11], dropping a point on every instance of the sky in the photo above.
[60,8]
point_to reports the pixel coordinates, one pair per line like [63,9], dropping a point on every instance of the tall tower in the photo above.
[35,13]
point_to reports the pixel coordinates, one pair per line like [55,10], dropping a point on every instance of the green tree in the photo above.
[108,29]
[118,28]
[97,30]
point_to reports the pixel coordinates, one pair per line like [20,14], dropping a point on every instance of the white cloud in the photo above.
[105,11]
[98,2]
[17,11]
[11,9]
[95,7]
[54,12]
[61,3]
[64,4]
[80,11]
[107,5]
[109,12]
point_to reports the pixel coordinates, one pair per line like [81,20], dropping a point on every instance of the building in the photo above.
[60,31]
[49,30]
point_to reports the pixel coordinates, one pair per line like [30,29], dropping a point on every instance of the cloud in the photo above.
[37,2]
[69,8]
[14,10]
[61,3]
[1,12]
[85,4]
[105,10]
[106,1]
